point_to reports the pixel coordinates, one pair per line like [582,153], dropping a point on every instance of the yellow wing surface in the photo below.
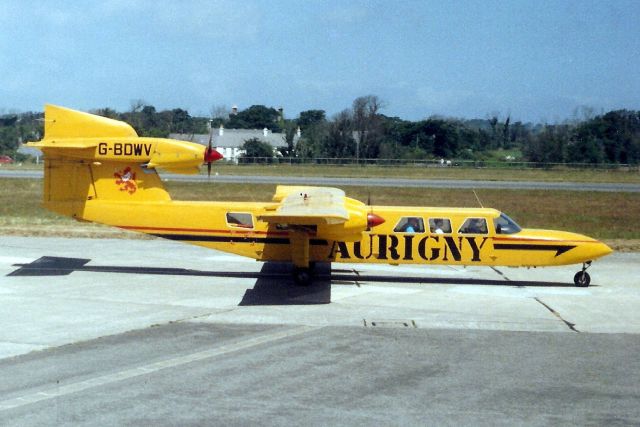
[308,206]
[315,213]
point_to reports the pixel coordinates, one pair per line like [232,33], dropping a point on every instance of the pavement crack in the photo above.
[501,274]
[570,325]
[357,273]
[195,317]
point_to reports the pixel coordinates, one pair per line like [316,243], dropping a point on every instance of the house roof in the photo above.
[235,138]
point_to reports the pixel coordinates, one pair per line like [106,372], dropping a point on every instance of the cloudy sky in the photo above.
[535,60]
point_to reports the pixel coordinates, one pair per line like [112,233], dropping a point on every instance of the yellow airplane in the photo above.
[99,170]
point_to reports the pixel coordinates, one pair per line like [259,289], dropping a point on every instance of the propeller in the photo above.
[211,155]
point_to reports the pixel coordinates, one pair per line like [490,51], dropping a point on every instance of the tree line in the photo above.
[363,131]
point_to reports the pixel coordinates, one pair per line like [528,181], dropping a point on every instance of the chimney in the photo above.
[221,130]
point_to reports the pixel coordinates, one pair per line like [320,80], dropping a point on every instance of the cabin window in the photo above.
[505,225]
[439,225]
[474,226]
[240,219]
[410,224]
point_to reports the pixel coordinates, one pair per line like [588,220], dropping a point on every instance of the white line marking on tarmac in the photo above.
[64,390]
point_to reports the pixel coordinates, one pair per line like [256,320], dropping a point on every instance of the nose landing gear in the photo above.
[582,278]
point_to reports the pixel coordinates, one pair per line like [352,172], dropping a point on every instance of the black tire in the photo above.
[582,279]
[302,276]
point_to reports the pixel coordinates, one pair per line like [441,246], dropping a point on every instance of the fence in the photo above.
[475,164]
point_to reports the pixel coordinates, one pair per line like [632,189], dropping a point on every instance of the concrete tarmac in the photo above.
[113,332]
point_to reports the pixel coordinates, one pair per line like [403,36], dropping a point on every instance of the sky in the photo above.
[537,61]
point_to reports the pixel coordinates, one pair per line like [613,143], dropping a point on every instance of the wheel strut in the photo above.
[582,278]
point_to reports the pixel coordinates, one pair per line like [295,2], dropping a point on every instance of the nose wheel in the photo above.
[582,278]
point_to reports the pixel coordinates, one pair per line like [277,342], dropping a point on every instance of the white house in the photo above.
[228,141]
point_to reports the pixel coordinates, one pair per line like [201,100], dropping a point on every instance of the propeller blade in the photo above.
[210,154]
[209,149]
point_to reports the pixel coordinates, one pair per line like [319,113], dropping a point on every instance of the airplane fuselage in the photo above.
[206,224]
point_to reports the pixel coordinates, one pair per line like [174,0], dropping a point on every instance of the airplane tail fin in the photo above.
[92,158]
[64,123]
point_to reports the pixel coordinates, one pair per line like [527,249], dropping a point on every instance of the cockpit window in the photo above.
[410,224]
[474,226]
[239,219]
[505,225]
[440,225]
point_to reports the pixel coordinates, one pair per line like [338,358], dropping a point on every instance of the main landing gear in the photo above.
[303,276]
[582,278]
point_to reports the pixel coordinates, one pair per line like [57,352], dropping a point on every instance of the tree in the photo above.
[367,124]
[136,105]
[219,115]
[585,150]
[311,118]
[339,140]
[8,140]
[290,129]
[255,148]
[550,145]
[106,112]
[314,128]
[255,117]
[311,143]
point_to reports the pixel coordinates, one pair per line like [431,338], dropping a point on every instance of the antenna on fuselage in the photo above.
[477,198]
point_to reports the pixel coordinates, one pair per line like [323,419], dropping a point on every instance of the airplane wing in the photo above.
[304,205]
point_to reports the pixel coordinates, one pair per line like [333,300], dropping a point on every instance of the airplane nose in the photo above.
[601,250]
[594,250]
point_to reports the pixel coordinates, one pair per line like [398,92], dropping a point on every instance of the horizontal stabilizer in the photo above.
[77,144]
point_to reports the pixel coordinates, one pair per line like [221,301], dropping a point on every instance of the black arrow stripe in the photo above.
[560,249]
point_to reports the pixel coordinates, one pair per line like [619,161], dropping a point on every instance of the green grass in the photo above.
[432,172]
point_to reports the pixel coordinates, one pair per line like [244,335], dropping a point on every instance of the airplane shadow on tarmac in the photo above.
[273,282]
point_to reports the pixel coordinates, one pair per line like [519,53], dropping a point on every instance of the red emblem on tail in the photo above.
[126,179]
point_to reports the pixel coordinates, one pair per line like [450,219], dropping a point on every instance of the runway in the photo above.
[114,332]
[378,182]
